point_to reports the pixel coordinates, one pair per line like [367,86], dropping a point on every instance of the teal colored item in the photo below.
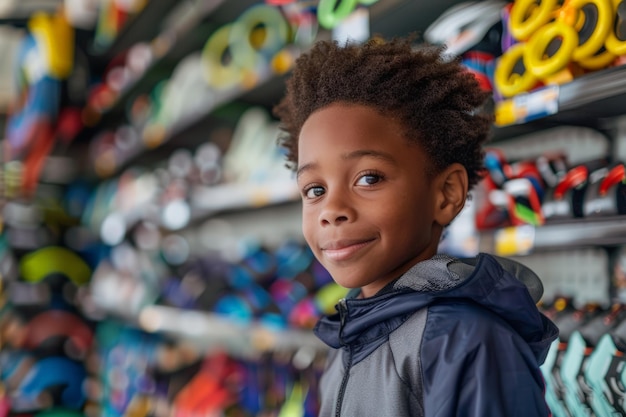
[605,374]
[574,363]
[548,367]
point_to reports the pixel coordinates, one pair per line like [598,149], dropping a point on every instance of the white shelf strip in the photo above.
[211,330]
[207,200]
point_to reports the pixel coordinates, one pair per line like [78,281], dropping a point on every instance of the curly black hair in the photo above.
[437,100]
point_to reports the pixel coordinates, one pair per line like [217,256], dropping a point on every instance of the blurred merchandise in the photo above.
[151,255]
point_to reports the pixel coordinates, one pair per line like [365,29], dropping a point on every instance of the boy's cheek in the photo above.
[310,241]
[308,226]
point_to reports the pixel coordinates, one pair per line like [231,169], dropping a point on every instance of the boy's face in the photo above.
[368,205]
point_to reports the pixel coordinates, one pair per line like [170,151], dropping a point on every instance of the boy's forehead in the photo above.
[348,118]
[352,132]
[345,121]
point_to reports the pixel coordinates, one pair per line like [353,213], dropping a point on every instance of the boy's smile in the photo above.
[369,206]
[341,250]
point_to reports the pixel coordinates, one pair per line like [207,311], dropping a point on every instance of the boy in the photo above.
[386,141]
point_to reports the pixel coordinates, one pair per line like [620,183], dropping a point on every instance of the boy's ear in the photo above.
[452,187]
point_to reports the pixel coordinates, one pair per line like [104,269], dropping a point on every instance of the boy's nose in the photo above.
[336,210]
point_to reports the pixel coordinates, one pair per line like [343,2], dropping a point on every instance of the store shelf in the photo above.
[212,330]
[562,234]
[586,101]
[183,38]
[388,18]
[159,70]
[206,201]
[140,28]
[195,127]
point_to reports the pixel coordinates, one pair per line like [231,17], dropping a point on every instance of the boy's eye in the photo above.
[369,179]
[314,192]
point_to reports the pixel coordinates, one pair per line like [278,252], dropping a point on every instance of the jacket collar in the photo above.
[503,286]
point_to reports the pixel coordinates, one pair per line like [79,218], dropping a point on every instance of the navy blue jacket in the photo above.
[449,338]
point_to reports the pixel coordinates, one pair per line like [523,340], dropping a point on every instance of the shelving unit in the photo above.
[139,28]
[563,234]
[387,18]
[231,197]
[192,130]
[271,211]
[589,101]
[177,41]
[208,331]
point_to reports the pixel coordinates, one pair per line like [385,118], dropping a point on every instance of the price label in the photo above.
[518,240]
[528,106]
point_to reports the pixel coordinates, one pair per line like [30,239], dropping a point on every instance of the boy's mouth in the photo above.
[341,250]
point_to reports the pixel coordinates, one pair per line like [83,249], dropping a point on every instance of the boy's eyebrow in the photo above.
[369,152]
[351,155]
[304,168]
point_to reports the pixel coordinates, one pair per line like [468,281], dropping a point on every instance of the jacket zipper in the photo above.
[342,307]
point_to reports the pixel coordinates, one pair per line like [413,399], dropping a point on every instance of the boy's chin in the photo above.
[350,280]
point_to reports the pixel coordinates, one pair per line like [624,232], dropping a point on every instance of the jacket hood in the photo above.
[507,288]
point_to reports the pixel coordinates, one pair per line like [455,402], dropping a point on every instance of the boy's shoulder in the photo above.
[454,318]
